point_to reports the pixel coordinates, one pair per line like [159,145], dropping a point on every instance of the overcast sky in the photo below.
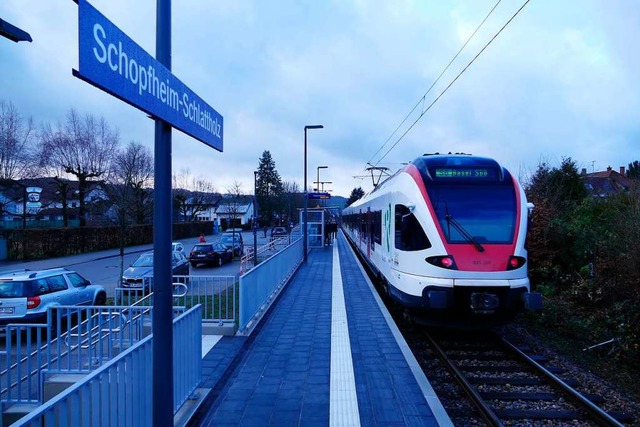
[562,80]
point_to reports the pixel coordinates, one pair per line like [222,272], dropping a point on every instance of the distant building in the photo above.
[606,183]
[233,211]
[41,200]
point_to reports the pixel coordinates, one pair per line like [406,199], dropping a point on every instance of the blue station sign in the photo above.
[318,195]
[111,61]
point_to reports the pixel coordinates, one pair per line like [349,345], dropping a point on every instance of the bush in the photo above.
[23,244]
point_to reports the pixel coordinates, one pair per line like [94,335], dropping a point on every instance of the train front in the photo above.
[477,215]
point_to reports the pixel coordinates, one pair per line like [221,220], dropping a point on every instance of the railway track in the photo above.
[507,386]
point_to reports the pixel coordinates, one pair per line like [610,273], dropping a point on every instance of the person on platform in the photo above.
[202,239]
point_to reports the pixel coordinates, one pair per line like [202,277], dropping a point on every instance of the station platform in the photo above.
[326,354]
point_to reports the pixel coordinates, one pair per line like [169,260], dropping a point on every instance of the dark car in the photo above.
[210,253]
[140,274]
[233,240]
[278,232]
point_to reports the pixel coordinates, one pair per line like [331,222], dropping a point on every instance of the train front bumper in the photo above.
[475,300]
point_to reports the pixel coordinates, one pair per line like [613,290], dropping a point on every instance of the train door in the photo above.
[360,228]
[367,231]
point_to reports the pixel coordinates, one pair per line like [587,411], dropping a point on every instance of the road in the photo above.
[104,267]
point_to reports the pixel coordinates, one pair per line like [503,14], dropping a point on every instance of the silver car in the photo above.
[140,274]
[26,295]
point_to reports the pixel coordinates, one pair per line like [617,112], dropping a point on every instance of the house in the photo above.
[40,201]
[234,211]
[606,183]
[195,205]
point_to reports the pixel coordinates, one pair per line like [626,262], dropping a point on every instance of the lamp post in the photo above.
[318,176]
[305,231]
[255,217]
[323,183]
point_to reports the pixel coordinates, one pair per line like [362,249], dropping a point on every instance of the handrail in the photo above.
[247,258]
[180,285]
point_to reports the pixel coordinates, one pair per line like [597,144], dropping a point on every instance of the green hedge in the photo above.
[30,244]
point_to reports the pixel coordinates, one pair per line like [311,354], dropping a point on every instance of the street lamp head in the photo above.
[313,127]
[13,33]
[323,167]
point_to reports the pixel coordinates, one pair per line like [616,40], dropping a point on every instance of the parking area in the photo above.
[105,268]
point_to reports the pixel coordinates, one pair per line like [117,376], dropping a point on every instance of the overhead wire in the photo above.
[454,80]
[423,98]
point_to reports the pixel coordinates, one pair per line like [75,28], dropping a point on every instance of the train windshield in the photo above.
[477,214]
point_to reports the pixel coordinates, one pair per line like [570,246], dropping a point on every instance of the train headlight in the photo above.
[516,262]
[446,261]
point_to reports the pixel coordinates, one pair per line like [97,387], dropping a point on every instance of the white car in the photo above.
[25,295]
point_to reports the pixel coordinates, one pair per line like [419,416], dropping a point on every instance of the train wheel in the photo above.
[384,285]
[406,315]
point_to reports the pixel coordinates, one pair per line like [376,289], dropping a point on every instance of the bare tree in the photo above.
[16,143]
[192,195]
[293,199]
[83,147]
[234,202]
[131,180]
[16,157]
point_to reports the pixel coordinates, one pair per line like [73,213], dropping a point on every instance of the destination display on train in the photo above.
[464,173]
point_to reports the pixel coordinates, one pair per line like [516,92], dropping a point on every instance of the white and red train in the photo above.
[446,237]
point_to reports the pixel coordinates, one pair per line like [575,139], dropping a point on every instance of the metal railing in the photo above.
[19,379]
[95,334]
[264,252]
[216,294]
[260,283]
[99,333]
[120,392]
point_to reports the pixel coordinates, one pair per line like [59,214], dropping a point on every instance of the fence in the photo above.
[264,252]
[96,334]
[259,284]
[119,392]
[216,294]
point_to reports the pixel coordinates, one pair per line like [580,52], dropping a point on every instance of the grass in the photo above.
[213,306]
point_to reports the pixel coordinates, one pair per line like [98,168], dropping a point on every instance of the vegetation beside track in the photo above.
[584,257]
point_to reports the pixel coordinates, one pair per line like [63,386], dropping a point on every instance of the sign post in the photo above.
[162,405]
[113,62]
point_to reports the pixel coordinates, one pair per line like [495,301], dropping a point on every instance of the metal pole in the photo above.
[162,409]
[255,216]
[304,216]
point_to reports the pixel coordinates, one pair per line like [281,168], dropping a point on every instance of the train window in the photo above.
[485,212]
[376,226]
[409,234]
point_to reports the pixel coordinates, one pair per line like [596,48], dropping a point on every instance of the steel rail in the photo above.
[485,411]
[598,414]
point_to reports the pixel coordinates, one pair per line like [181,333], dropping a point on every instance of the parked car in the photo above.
[210,253]
[25,295]
[233,230]
[178,246]
[233,240]
[278,232]
[140,274]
